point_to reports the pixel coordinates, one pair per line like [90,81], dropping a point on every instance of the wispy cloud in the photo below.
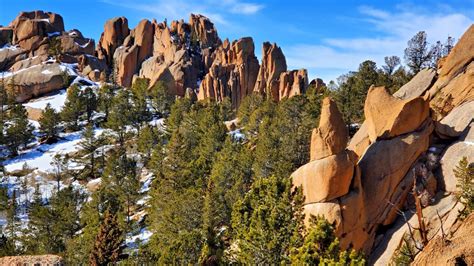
[391,31]
[217,11]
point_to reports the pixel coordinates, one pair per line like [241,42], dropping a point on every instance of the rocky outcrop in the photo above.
[388,116]
[73,43]
[293,83]
[273,64]
[457,121]
[115,32]
[37,80]
[233,73]
[32,260]
[456,250]
[455,84]
[418,85]
[204,30]
[453,154]
[331,135]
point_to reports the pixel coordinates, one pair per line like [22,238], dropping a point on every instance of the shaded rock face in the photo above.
[204,30]
[457,121]
[455,84]
[115,32]
[233,72]
[273,64]
[293,83]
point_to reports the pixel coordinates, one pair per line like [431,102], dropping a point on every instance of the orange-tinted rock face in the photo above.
[388,116]
[331,135]
[293,83]
[115,32]
[233,73]
[273,64]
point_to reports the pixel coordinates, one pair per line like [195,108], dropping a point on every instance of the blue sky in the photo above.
[329,38]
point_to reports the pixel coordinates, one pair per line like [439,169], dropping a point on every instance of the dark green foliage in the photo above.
[267,222]
[49,122]
[52,226]
[73,108]
[89,100]
[149,137]
[19,131]
[464,173]
[321,247]
[104,99]
[177,195]
[161,99]
[89,145]
[54,47]
[108,242]
[121,114]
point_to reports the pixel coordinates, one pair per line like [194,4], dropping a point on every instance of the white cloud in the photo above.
[180,9]
[335,56]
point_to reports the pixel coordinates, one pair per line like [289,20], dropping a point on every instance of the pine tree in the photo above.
[89,100]
[11,229]
[73,108]
[89,145]
[161,99]
[108,243]
[61,168]
[464,173]
[417,54]
[20,131]
[104,99]
[146,141]
[267,222]
[321,247]
[49,124]
[120,115]
[140,112]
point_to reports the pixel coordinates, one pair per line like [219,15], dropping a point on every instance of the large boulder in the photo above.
[331,135]
[115,32]
[451,157]
[331,211]
[457,121]
[418,85]
[388,116]
[37,80]
[35,23]
[73,43]
[143,35]
[325,179]
[360,141]
[273,64]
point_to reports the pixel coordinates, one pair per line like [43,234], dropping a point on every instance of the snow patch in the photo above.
[55,100]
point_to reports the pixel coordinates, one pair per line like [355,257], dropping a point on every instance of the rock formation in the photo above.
[273,64]
[233,72]
[115,32]
[391,152]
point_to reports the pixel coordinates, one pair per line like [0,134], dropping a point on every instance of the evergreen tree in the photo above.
[140,111]
[146,141]
[121,115]
[464,173]
[89,100]
[20,131]
[104,99]
[161,99]
[267,222]
[108,244]
[418,54]
[321,247]
[49,121]
[11,229]
[89,145]
[61,168]
[73,108]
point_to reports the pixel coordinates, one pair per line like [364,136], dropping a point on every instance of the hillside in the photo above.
[165,144]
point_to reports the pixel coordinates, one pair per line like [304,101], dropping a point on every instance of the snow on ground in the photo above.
[143,237]
[237,134]
[56,101]
[41,156]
